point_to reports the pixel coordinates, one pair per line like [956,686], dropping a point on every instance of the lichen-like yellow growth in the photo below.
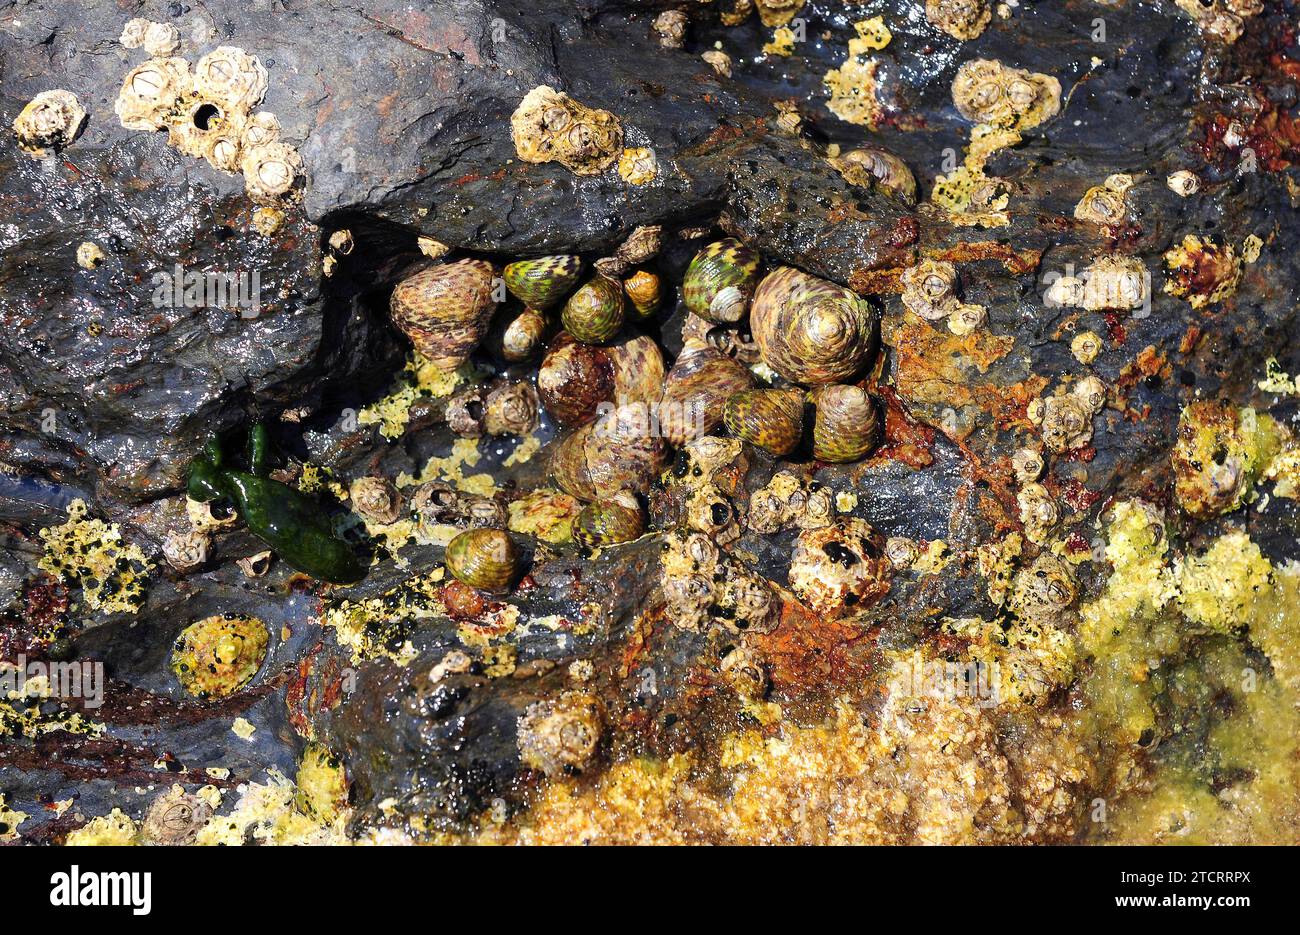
[464,453]
[90,553]
[116,829]
[1219,589]
[376,627]
[781,43]
[10,819]
[1201,271]
[418,379]
[266,814]
[853,84]
[322,792]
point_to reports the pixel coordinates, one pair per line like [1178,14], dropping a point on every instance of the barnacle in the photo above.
[1105,204]
[1039,513]
[778,12]
[270,170]
[89,255]
[1219,454]
[561,736]
[51,120]
[839,567]
[1113,281]
[175,818]
[929,289]
[151,91]
[376,499]
[1184,182]
[1085,346]
[1201,271]
[186,551]
[231,77]
[961,19]
[670,26]
[549,126]
[719,61]
[986,91]
[637,166]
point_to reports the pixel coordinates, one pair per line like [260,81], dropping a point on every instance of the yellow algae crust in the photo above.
[90,553]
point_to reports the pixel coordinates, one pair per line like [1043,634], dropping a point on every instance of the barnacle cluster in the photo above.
[1064,419]
[1220,453]
[210,112]
[550,126]
[219,655]
[839,567]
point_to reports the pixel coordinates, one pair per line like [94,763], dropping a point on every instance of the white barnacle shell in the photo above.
[1183,182]
[186,551]
[965,318]
[51,120]
[270,171]
[133,32]
[161,39]
[262,128]
[550,126]
[231,78]
[151,91]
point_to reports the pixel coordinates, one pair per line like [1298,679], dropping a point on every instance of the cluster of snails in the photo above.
[608,388]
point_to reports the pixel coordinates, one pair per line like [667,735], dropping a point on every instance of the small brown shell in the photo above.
[847,424]
[621,451]
[696,389]
[523,336]
[483,558]
[575,378]
[445,310]
[376,499]
[770,419]
[595,313]
[810,330]
[644,292]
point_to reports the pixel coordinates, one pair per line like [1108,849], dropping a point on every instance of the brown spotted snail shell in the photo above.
[620,451]
[847,423]
[769,419]
[720,281]
[596,312]
[810,330]
[483,558]
[696,389]
[542,282]
[607,522]
[575,378]
[445,310]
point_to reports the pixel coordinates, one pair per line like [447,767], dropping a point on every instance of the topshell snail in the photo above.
[445,310]
[810,330]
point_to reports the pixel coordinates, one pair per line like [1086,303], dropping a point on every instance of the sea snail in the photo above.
[483,558]
[720,281]
[292,524]
[445,310]
[810,330]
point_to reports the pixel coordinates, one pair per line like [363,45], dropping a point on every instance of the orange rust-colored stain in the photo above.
[1191,337]
[1017,262]
[1148,363]
[877,281]
[638,638]
[810,652]
[904,438]
[468,177]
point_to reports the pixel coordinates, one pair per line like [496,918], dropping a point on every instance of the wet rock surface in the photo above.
[402,117]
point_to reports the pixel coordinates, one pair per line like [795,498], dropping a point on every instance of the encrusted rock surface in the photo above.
[402,118]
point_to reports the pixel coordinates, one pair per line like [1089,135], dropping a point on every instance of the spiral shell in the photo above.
[575,378]
[606,522]
[847,424]
[541,283]
[445,310]
[809,330]
[510,409]
[483,558]
[595,313]
[770,419]
[644,292]
[620,451]
[522,336]
[700,383]
[720,281]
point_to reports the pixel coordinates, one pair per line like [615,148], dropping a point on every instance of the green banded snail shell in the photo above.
[541,283]
[720,281]
[445,310]
[606,522]
[847,424]
[770,419]
[483,558]
[595,313]
[810,330]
